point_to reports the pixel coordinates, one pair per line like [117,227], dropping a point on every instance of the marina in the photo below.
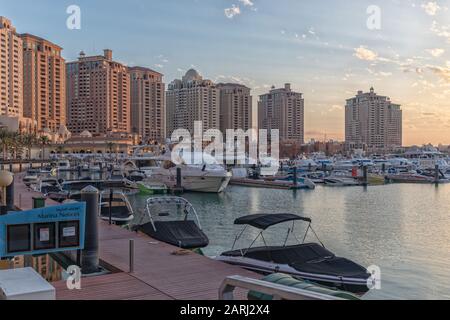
[398,237]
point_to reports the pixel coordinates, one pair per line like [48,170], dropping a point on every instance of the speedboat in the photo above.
[115,207]
[307,261]
[410,177]
[170,222]
[208,178]
[31,177]
[117,175]
[136,175]
[63,165]
[341,179]
[150,188]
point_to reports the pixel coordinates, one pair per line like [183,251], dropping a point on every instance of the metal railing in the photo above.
[278,292]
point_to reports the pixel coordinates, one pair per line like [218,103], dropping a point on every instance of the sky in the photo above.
[326,49]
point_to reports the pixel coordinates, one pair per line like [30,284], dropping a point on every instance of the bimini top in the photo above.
[264,221]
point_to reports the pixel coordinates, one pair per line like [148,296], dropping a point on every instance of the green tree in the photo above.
[29,140]
[44,141]
[5,142]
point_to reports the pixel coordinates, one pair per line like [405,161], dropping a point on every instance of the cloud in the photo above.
[441,31]
[247,3]
[431,8]
[442,72]
[437,52]
[363,53]
[230,13]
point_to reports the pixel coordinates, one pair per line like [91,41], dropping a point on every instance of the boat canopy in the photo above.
[264,221]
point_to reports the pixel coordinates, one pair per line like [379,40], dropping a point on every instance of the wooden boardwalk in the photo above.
[160,271]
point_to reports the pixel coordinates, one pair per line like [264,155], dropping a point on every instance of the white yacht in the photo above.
[157,165]
[210,177]
[63,165]
[305,164]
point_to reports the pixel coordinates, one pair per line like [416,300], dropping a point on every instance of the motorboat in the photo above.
[307,261]
[302,182]
[151,188]
[209,177]
[346,165]
[115,207]
[170,222]
[117,175]
[31,177]
[341,179]
[305,164]
[136,175]
[410,177]
[63,165]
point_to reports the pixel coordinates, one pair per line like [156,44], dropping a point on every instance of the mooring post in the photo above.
[365,176]
[10,195]
[131,255]
[436,173]
[89,256]
[295,176]
[179,184]
[111,195]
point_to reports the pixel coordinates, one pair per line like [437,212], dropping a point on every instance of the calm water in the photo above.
[403,229]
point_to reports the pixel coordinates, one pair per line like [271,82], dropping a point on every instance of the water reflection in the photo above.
[404,229]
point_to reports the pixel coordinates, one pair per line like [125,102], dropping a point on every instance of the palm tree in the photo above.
[29,140]
[44,141]
[5,141]
[60,150]
[111,146]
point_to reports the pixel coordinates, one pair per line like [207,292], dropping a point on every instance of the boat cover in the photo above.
[264,221]
[118,212]
[183,234]
[308,258]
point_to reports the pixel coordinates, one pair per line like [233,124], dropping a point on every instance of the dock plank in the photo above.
[160,273]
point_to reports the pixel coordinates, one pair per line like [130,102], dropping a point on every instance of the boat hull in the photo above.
[207,183]
[354,285]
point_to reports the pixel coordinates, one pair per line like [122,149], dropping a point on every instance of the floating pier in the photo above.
[158,271]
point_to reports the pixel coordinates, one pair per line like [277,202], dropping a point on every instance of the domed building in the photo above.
[192,75]
[192,99]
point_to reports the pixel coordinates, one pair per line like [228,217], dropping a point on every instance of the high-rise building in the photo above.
[192,99]
[372,121]
[283,109]
[11,71]
[235,107]
[98,95]
[44,83]
[148,115]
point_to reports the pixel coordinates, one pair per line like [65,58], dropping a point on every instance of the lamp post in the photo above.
[6,178]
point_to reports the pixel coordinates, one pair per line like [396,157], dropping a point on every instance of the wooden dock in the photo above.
[161,271]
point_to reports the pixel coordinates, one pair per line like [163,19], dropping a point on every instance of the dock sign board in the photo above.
[41,231]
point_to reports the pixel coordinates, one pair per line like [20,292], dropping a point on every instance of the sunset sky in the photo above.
[323,48]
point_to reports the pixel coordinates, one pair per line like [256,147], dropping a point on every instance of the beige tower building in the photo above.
[283,109]
[372,121]
[148,114]
[235,107]
[11,71]
[192,99]
[44,81]
[98,95]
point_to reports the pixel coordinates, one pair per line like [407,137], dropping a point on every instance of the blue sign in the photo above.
[41,231]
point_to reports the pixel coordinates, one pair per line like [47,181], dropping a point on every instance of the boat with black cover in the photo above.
[307,261]
[170,223]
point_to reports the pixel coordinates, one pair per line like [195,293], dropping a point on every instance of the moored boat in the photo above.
[308,261]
